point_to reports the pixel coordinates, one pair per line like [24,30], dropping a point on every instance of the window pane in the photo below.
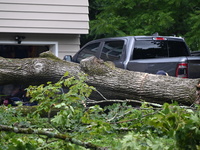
[89,50]
[177,48]
[159,49]
[112,50]
[150,49]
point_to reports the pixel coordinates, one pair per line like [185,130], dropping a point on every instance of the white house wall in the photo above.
[66,44]
[44,16]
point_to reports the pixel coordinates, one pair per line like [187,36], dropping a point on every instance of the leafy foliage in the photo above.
[145,17]
[75,125]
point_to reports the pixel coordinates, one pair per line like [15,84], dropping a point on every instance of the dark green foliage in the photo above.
[145,17]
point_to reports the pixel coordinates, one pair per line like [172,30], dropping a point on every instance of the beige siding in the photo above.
[49,2]
[67,44]
[44,16]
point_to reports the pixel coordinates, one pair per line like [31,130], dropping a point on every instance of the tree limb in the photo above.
[50,135]
[111,82]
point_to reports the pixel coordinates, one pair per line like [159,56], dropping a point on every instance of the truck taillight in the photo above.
[182,70]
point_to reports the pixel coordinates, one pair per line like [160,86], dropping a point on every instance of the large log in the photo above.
[39,70]
[111,82]
[117,83]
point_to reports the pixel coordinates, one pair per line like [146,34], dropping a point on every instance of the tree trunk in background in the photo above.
[111,82]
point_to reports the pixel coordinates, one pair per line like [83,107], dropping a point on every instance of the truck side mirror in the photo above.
[67,58]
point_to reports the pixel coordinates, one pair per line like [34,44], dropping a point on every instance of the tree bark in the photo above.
[111,82]
[35,70]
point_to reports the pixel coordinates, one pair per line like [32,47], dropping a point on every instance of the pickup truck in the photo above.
[150,54]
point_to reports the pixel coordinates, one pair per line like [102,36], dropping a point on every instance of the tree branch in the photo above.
[132,101]
[136,118]
[50,135]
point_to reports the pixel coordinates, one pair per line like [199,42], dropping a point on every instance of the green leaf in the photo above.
[66,74]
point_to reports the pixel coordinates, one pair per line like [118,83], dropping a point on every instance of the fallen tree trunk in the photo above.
[111,82]
[35,70]
[118,84]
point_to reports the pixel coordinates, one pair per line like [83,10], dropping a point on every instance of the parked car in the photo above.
[149,54]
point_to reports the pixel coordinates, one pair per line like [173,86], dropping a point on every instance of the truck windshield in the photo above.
[158,49]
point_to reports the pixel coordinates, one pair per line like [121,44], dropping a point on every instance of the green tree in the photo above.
[145,17]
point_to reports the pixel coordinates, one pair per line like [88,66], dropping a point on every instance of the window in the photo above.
[177,49]
[112,50]
[89,50]
[158,49]
[150,49]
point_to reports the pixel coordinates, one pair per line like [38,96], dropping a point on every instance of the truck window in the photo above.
[112,50]
[177,49]
[150,49]
[158,49]
[89,50]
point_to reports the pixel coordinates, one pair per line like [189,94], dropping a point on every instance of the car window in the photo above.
[89,50]
[145,49]
[112,50]
[150,49]
[177,48]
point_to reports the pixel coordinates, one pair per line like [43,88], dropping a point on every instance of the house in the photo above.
[29,27]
